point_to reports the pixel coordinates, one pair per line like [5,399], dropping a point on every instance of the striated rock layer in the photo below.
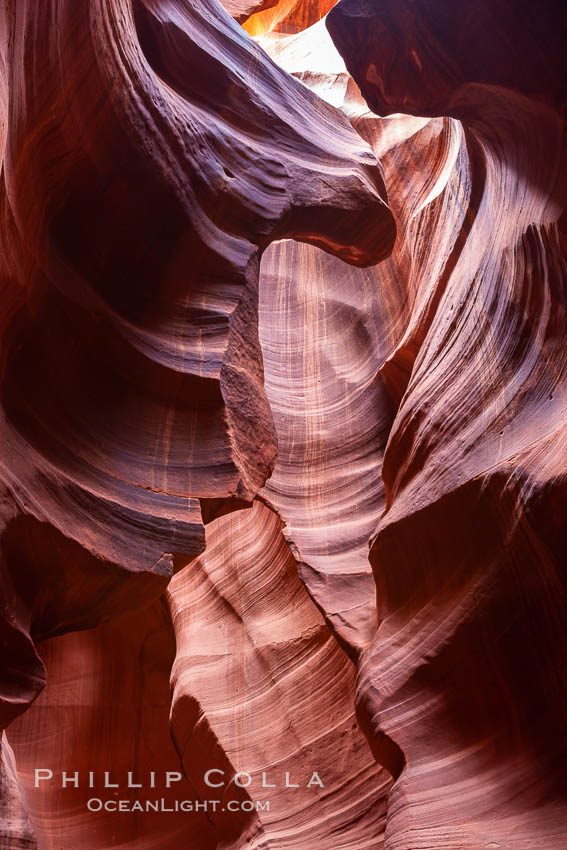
[333,414]
[178,204]
[260,685]
[138,188]
[466,673]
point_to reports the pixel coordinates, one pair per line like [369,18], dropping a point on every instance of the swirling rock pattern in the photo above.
[261,686]
[172,317]
[333,414]
[138,189]
[466,671]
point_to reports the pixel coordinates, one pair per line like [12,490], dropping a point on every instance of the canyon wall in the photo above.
[284,447]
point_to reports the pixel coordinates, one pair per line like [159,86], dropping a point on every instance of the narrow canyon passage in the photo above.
[283,465]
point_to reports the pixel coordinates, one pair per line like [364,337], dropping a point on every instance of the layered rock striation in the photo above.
[220,361]
[466,670]
[139,187]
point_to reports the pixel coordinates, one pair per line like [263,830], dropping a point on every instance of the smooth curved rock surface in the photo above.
[261,686]
[466,673]
[406,548]
[414,56]
[106,708]
[138,189]
[327,332]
